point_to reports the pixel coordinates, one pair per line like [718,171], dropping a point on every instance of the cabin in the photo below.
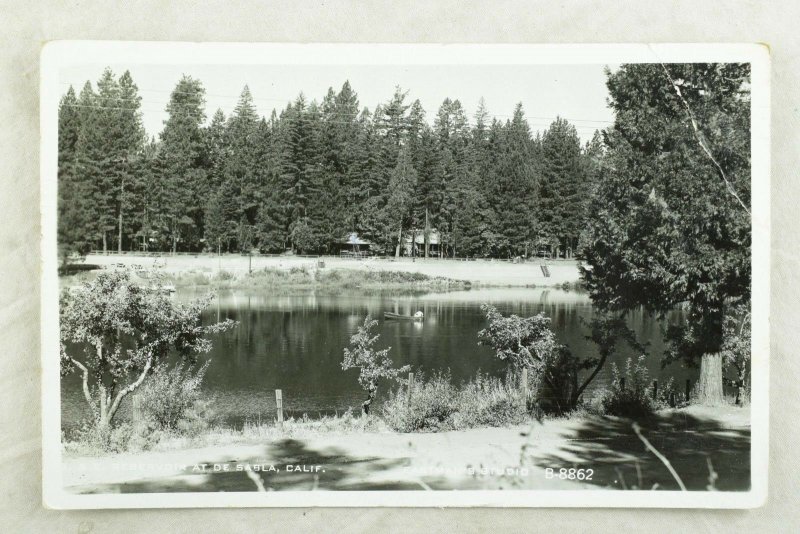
[353,246]
[414,243]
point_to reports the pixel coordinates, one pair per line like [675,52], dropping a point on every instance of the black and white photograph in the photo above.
[404,275]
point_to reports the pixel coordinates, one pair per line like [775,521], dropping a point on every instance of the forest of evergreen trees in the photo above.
[305,177]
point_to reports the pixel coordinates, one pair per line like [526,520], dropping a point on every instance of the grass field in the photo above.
[481,272]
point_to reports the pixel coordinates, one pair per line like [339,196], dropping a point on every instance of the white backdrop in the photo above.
[28,25]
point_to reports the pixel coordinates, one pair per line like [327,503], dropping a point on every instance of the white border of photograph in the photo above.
[57,55]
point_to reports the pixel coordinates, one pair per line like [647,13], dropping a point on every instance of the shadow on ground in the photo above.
[607,445]
[337,471]
[610,447]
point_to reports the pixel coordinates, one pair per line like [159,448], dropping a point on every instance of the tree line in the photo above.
[303,178]
[660,203]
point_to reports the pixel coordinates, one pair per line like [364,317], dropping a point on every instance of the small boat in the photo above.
[416,317]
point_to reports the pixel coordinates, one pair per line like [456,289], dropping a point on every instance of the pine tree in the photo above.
[240,177]
[132,138]
[74,212]
[215,139]
[455,173]
[273,218]
[562,189]
[300,158]
[183,156]
[513,185]
[400,198]
[110,140]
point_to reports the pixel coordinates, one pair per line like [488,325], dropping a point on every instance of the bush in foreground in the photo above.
[630,394]
[172,398]
[437,405]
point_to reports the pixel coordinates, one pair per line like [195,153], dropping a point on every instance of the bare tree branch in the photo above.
[123,392]
[659,456]
[85,379]
[702,144]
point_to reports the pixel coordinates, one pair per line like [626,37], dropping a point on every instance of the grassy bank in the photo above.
[485,272]
[303,278]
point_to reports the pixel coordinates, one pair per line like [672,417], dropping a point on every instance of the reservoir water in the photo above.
[294,343]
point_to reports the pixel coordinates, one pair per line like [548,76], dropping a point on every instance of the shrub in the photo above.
[520,341]
[429,408]
[373,365]
[172,396]
[192,279]
[94,439]
[302,270]
[559,391]
[633,398]
[437,405]
[223,275]
[487,401]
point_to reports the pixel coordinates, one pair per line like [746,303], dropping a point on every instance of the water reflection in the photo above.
[295,342]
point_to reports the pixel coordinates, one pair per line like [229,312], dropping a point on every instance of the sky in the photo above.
[575,92]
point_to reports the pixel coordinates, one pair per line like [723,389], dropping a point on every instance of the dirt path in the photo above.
[487,458]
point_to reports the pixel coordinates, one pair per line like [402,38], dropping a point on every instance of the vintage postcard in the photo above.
[404,275]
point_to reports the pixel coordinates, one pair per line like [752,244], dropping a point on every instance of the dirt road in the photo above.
[606,449]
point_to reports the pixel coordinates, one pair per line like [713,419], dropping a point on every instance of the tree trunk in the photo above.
[105,243]
[370,397]
[400,242]
[427,233]
[121,196]
[103,420]
[174,244]
[708,390]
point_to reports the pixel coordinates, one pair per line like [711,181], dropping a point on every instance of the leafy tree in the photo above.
[672,223]
[523,342]
[303,236]
[373,365]
[116,332]
[529,342]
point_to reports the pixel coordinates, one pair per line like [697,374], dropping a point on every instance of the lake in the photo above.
[294,343]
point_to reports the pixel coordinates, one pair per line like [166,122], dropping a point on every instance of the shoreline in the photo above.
[440,272]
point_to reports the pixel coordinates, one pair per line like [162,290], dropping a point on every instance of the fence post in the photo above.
[524,383]
[655,389]
[688,389]
[410,386]
[279,404]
